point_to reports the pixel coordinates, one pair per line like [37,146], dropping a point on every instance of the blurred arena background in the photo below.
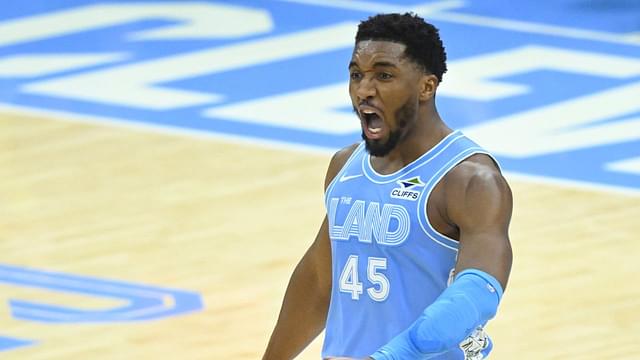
[162,164]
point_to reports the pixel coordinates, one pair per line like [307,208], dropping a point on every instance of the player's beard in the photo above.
[379,147]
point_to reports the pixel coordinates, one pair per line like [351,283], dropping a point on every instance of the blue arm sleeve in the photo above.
[470,301]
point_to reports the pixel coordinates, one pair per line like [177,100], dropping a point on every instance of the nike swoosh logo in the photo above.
[349,177]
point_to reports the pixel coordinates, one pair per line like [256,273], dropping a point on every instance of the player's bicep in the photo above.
[482,213]
[319,256]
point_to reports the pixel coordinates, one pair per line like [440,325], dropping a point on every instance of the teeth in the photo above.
[368,112]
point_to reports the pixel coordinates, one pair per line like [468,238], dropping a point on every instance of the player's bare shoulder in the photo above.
[477,185]
[476,170]
[337,162]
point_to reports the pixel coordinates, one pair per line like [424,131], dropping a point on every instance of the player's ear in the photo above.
[428,85]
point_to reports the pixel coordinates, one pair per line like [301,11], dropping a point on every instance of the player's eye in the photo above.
[355,75]
[384,76]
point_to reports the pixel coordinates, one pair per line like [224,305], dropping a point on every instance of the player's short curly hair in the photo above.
[422,40]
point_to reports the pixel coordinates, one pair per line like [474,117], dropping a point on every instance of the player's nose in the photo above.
[365,89]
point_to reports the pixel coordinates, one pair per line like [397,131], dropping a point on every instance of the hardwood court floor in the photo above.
[230,221]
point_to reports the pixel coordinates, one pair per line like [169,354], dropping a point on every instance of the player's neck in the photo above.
[426,133]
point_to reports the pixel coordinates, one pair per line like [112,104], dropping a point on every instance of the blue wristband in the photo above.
[470,301]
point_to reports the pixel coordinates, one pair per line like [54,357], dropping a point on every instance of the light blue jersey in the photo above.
[389,263]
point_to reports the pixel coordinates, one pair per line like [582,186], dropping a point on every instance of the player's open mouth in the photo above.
[372,123]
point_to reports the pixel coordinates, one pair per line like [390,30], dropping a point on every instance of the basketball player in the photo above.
[413,255]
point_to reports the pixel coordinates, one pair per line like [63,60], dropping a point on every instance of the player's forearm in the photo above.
[303,314]
[470,301]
